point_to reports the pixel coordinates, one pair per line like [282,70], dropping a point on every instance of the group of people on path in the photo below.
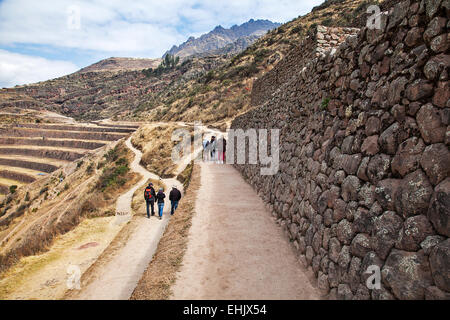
[215,149]
[151,197]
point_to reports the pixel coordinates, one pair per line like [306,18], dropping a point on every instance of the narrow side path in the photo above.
[235,249]
[118,278]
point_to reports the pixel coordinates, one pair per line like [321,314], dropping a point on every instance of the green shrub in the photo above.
[122,161]
[112,155]
[90,168]
[324,104]
[112,176]
[12,189]
[44,189]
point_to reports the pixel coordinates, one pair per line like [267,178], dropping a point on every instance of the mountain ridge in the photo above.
[220,37]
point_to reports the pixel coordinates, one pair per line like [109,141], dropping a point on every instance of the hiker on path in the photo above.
[174,197]
[212,145]
[160,198]
[205,150]
[150,196]
[221,149]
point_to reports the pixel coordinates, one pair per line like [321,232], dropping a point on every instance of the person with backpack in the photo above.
[150,196]
[160,198]
[174,197]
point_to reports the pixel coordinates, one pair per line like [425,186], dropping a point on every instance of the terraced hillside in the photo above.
[29,151]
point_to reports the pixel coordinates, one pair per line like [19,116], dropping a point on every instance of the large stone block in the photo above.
[386,232]
[430,124]
[350,188]
[413,196]
[435,162]
[439,210]
[440,265]
[414,231]
[361,245]
[386,193]
[408,156]
[345,232]
[408,274]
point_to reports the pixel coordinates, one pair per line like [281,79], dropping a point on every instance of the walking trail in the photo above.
[121,274]
[119,277]
[235,249]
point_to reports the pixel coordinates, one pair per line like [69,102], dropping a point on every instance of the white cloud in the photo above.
[139,28]
[133,28]
[21,69]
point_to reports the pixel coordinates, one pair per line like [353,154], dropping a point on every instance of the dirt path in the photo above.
[235,249]
[120,275]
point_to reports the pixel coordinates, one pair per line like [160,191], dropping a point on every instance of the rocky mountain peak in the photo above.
[221,37]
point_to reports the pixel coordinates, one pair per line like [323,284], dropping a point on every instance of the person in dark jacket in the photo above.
[174,197]
[160,198]
[150,196]
[212,147]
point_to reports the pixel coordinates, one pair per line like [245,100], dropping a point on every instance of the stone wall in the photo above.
[324,39]
[364,157]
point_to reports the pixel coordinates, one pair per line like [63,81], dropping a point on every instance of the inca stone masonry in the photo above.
[364,153]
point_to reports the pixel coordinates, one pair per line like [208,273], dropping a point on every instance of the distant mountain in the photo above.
[121,64]
[236,38]
[232,48]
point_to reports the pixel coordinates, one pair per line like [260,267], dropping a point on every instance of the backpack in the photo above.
[148,193]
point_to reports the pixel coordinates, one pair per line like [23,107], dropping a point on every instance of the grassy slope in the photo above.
[55,207]
[156,145]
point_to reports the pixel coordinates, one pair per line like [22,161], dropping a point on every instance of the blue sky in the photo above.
[44,39]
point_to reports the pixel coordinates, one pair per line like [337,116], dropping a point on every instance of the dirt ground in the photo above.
[235,249]
[160,274]
[45,276]
[118,277]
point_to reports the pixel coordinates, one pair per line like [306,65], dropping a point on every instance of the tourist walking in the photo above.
[174,197]
[149,196]
[222,149]
[212,146]
[205,150]
[160,198]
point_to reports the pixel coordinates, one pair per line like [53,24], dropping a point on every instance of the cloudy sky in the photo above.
[44,39]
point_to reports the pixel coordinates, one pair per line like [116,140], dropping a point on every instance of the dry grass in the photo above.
[156,146]
[44,276]
[157,280]
[185,176]
[32,217]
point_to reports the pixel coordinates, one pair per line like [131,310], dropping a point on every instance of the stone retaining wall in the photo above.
[324,39]
[44,167]
[42,153]
[24,132]
[77,144]
[17,176]
[364,157]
